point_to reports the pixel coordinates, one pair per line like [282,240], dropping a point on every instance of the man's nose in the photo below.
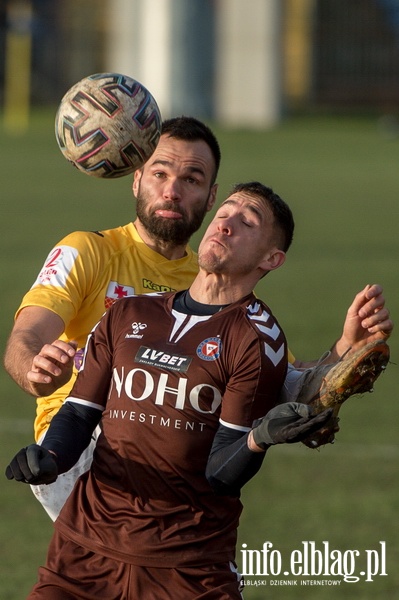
[172,190]
[225,226]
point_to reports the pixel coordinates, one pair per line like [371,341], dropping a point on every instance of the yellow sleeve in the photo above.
[66,276]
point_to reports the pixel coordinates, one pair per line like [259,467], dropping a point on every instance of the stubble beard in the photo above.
[174,231]
[209,261]
[214,262]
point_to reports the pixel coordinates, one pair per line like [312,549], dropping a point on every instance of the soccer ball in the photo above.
[107,125]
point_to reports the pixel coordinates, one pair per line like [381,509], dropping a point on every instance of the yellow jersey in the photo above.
[84,274]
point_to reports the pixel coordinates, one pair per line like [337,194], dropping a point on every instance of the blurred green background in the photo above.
[340,176]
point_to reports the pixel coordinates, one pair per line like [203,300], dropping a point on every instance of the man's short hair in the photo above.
[192,130]
[283,217]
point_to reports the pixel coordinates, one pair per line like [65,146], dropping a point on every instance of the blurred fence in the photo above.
[356,53]
[338,54]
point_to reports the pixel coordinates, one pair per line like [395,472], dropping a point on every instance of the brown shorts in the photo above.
[78,574]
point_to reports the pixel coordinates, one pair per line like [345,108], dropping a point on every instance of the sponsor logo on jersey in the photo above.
[136,328]
[57,267]
[165,389]
[210,349]
[156,287]
[115,291]
[157,358]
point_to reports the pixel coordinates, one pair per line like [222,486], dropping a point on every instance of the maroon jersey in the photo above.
[166,381]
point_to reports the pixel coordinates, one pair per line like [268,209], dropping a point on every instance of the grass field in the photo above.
[340,177]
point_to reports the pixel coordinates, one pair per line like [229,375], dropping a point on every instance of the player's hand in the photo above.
[33,464]
[288,423]
[367,320]
[52,367]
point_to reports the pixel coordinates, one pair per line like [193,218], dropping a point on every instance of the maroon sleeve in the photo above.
[260,364]
[95,374]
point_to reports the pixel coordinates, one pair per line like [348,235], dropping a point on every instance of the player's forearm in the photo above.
[231,466]
[22,347]
[70,433]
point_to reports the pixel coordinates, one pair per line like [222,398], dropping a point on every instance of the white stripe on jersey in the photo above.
[84,403]
[236,427]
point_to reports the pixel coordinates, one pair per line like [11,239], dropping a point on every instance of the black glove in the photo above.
[33,464]
[288,423]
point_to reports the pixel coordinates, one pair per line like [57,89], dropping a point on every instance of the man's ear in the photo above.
[136,181]
[273,260]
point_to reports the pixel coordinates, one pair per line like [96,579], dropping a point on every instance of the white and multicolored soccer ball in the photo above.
[108,125]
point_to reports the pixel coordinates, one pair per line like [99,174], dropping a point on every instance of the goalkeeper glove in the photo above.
[288,423]
[33,464]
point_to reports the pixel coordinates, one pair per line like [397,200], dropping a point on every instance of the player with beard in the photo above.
[86,272]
